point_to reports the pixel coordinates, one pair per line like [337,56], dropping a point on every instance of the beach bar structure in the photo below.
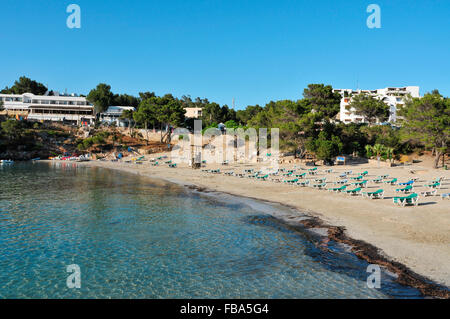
[58,108]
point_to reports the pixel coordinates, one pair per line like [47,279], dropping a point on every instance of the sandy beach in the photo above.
[417,237]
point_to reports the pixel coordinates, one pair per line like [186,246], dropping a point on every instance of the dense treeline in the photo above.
[307,125]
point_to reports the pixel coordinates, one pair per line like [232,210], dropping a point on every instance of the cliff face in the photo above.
[34,143]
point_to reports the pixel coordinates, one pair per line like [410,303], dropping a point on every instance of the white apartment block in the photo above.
[113,114]
[193,112]
[392,96]
[59,108]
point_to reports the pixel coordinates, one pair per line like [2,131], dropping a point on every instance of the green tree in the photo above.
[12,129]
[101,97]
[26,85]
[146,115]
[125,100]
[244,116]
[325,147]
[322,99]
[427,119]
[128,115]
[370,107]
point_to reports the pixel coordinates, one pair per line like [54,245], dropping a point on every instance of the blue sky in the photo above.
[254,51]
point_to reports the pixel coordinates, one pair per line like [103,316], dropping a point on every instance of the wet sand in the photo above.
[413,241]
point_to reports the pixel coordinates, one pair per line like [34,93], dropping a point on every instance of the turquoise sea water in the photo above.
[139,238]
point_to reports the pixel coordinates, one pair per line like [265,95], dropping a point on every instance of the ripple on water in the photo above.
[133,238]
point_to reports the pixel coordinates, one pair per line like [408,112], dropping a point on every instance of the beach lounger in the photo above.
[288,174]
[377,180]
[342,181]
[430,192]
[374,195]
[320,180]
[348,172]
[360,184]
[355,191]
[292,181]
[172,165]
[391,182]
[412,199]
[337,189]
[445,196]
[405,190]
[263,178]
[364,173]
[312,171]
[434,185]
[384,176]
[319,186]
[304,183]
[357,178]
[407,183]
[302,175]
[343,176]
[229,173]
[327,171]
[168,162]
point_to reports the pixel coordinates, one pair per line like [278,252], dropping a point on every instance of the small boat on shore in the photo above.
[6,162]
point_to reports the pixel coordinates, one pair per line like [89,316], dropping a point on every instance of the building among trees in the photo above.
[58,108]
[394,97]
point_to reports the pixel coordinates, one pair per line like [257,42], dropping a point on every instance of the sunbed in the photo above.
[263,177]
[229,173]
[320,186]
[360,184]
[405,190]
[304,183]
[373,195]
[320,180]
[300,175]
[342,181]
[445,196]
[412,199]
[173,165]
[355,191]
[407,183]
[364,173]
[429,192]
[357,178]
[391,182]
[337,189]
[434,185]
[377,180]
[291,181]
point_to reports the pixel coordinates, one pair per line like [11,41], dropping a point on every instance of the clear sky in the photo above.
[254,51]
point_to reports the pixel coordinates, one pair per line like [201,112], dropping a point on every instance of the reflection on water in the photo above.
[141,238]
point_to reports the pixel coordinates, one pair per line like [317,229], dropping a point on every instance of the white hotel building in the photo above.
[58,108]
[392,96]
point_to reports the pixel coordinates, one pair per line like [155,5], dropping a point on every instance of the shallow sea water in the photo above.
[135,237]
